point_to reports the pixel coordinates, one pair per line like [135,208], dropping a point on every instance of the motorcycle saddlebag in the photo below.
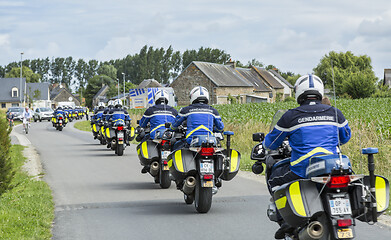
[131,134]
[382,198]
[298,201]
[180,163]
[234,164]
[147,152]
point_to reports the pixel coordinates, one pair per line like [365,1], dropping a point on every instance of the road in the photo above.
[99,195]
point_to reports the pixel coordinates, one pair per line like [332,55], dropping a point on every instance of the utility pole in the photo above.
[20,89]
[124,89]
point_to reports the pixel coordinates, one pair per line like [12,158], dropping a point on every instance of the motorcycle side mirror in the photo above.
[258,137]
[138,121]
[258,153]
[167,125]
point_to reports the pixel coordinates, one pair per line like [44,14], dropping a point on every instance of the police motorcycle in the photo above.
[328,203]
[116,133]
[153,154]
[199,169]
[59,121]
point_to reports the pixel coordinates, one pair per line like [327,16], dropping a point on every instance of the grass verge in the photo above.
[83,125]
[26,210]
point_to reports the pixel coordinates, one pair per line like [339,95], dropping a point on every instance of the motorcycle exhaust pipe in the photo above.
[154,169]
[113,142]
[314,230]
[189,185]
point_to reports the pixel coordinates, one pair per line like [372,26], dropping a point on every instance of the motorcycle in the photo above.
[328,202]
[199,169]
[119,136]
[153,155]
[59,122]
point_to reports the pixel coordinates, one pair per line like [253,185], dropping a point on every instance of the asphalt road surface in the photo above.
[99,195]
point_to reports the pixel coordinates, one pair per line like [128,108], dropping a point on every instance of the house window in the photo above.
[15,104]
[14,92]
[3,105]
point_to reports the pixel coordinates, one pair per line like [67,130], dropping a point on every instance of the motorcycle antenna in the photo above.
[336,114]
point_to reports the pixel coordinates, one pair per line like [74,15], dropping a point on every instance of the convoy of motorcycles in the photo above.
[68,114]
[326,205]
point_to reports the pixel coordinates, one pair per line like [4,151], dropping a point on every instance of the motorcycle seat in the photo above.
[281,163]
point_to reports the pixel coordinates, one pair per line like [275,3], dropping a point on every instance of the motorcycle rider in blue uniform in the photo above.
[104,122]
[118,115]
[97,117]
[158,114]
[201,118]
[312,129]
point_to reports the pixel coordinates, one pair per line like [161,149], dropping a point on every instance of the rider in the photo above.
[10,118]
[118,115]
[26,117]
[158,114]
[103,120]
[202,119]
[312,128]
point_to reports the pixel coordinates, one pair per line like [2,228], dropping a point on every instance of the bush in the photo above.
[290,99]
[6,171]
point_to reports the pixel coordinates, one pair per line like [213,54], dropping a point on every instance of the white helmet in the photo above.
[199,94]
[101,105]
[308,86]
[110,103]
[117,103]
[161,96]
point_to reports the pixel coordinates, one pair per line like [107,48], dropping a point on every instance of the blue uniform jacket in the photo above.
[58,112]
[157,116]
[312,129]
[118,115]
[201,120]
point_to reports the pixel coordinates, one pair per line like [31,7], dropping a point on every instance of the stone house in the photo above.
[226,83]
[12,92]
[59,93]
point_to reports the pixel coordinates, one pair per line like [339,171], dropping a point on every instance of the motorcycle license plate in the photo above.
[120,142]
[345,233]
[120,134]
[165,154]
[340,206]
[208,184]
[206,168]
[165,167]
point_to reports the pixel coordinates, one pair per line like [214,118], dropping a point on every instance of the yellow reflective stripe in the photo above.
[313,152]
[178,160]
[381,197]
[169,163]
[297,200]
[161,125]
[234,160]
[198,128]
[108,132]
[145,149]
[94,127]
[281,202]
[132,132]
[138,151]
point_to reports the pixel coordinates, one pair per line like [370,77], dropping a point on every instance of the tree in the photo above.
[26,73]
[6,169]
[108,70]
[353,75]
[95,84]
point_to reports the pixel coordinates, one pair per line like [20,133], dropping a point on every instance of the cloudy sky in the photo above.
[290,34]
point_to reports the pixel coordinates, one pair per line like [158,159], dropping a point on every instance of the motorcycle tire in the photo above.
[164,179]
[189,199]
[202,197]
[60,129]
[120,149]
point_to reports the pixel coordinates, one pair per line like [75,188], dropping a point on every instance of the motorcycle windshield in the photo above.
[277,117]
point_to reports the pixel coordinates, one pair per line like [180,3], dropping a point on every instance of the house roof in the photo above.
[57,91]
[43,88]
[268,78]
[275,73]
[254,78]
[222,75]
[101,90]
[6,86]
[148,83]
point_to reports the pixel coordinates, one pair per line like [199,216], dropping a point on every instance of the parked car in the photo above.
[43,113]
[17,112]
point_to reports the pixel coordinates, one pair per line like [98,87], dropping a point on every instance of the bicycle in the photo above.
[26,125]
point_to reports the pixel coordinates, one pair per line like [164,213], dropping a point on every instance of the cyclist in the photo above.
[26,118]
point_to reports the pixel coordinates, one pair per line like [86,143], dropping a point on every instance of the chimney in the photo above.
[231,63]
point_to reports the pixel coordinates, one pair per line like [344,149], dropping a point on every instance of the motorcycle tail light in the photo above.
[120,128]
[339,181]
[208,176]
[165,142]
[344,222]
[120,139]
[60,118]
[207,151]
[165,162]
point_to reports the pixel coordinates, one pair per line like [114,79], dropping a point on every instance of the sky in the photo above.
[290,34]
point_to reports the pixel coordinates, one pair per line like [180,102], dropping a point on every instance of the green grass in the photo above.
[26,210]
[83,125]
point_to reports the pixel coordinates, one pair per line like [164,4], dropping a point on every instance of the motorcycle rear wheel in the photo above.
[164,179]
[120,149]
[202,197]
